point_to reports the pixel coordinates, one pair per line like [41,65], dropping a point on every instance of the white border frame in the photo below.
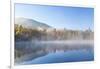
[72,3]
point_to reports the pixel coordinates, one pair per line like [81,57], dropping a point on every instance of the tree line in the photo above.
[24,34]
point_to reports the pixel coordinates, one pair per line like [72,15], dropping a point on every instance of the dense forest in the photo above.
[26,34]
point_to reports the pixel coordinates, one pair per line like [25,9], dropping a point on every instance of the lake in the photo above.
[43,52]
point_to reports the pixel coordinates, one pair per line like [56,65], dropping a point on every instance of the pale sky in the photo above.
[58,16]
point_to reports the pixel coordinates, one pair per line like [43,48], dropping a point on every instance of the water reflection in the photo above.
[54,52]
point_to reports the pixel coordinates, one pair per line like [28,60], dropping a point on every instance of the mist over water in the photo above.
[41,52]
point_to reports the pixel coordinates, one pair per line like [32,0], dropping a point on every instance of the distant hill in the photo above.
[30,23]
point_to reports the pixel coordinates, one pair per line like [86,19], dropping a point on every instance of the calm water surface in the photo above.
[63,52]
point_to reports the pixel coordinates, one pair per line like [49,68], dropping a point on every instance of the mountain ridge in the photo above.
[30,23]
